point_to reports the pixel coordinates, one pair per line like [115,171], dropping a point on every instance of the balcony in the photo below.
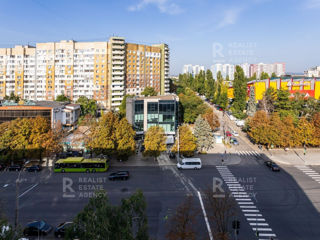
[121,78]
[118,67]
[117,88]
[117,62]
[117,73]
[118,57]
[115,51]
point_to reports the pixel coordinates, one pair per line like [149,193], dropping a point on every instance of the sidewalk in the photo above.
[295,156]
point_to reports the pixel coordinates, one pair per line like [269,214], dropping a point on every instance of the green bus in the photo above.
[80,164]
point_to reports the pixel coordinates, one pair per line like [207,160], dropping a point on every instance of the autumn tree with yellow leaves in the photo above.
[187,142]
[155,142]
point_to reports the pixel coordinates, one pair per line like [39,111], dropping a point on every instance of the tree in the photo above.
[268,100]
[62,98]
[210,87]
[274,75]
[187,142]
[219,86]
[125,139]
[254,77]
[183,222]
[191,106]
[264,75]
[203,133]
[155,142]
[123,105]
[221,208]
[88,106]
[12,97]
[100,220]
[252,106]
[102,138]
[316,125]
[149,91]
[304,132]
[200,83]
[282,104]
[212,119]
[258,126]
[240,93]
[223,102]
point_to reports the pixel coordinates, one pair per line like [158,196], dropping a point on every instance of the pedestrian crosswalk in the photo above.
[252,214]
[310,172]
[248,153]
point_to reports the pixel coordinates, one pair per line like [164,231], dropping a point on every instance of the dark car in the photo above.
[37,228]
[61,229]
[34,168]
[14,168]
[120,175]
[234,141]
[142,148]
[268,163]
[275,168]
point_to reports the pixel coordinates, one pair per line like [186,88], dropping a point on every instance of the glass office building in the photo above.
[162,111]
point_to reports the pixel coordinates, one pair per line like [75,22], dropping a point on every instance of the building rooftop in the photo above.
[162,97]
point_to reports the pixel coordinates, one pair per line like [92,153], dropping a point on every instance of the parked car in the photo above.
[60,230]
[142,148]
[235,133]
[228,134]
[232,118]
[37,228]
[34,168]
[120,175]
[15,168]
[240,123]
[275,168]
[234,141]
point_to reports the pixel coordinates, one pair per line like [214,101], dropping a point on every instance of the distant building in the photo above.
[57,113]
[278,68]
[308,86]
[225,69]
[145,112]
[313,72]
[192,69]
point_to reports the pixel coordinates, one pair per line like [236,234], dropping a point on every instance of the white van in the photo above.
[189,163]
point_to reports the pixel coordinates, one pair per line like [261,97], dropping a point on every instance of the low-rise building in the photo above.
[145,112]
[57,113]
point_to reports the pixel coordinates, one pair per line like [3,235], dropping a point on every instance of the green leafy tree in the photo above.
[100,220]
[12,97]
[252,106]
[200,83]
[274,75]
[203,134]
[217,99]
[187,142]
[155,142]
[125,139]
[149,91]
[240,93]
[254,77]
[123,105]
[282,104]
[191,106]
[210,86]
[88,106]
[223,102]
[62,98]
[264,75]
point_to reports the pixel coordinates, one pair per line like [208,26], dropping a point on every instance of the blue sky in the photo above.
[253,30]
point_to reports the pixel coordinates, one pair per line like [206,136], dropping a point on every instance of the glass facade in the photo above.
[138,116]
[9,115]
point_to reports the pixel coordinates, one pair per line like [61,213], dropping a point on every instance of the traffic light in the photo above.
[236,224]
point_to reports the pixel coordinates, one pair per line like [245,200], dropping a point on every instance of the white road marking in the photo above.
[309,172]
[28,190]
[205,216]
[247,206]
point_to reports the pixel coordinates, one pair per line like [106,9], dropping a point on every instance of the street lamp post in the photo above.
[16,217]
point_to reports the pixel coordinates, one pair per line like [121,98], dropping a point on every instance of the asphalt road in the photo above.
[289,200]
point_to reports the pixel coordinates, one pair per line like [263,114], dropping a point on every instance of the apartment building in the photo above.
[192,69]
[313,72]
[104,71]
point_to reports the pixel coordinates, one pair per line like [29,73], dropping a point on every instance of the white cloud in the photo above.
[313,4]
[164,6]
[230,17]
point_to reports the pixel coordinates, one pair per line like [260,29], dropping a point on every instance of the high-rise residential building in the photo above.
[104,71]
[187,68]
[225,69]
[277,68]
[313,72]
[193,69]
[246,69]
